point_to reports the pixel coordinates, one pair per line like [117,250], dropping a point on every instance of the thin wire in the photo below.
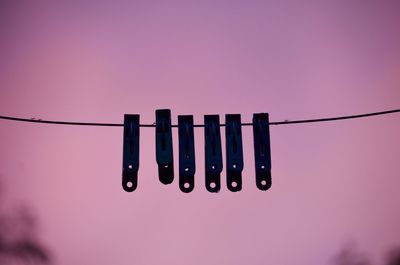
[202,125]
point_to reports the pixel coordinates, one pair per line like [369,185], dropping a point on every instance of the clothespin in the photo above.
[213,152]
[187,165]
[234,152]
[130,164]
[262,150]
[164,152]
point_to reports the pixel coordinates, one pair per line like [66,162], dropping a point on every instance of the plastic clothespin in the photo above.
[234,152]
[187,164]
[164,152]
[213,152]
[130,164]
[262,150]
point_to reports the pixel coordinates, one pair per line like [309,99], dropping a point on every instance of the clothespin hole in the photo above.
[165,166]
[234,165]
[234,184]
[213,185]
[130,166]
[186,185]
[262,167]
[213,166]
[263,182]
[129,184]
[186,169]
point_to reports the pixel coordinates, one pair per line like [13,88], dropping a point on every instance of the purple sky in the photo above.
[333,183]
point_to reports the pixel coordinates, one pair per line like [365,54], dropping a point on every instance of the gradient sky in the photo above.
[333,183]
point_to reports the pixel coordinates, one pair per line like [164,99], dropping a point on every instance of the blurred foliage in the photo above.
[19,243]
[350,255]
[394,257]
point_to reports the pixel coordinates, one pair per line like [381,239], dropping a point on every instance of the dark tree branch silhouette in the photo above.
[18,240]
[349,255]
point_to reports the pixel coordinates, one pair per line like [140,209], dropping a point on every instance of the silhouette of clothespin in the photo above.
[213,152]
[130,164]
[164,152]
[234,151]
[187,165]
[262,150]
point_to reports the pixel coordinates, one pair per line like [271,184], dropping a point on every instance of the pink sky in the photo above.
[332,182]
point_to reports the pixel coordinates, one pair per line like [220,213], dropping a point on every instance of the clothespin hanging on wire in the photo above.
[213,152]
[187,165]
[164,152]
[130,164]
[234,152]
[262,150]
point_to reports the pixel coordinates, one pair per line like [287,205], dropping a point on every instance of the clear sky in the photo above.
[333,183]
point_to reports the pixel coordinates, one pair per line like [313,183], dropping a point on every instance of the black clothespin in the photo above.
[213,152]
[234,151]
[130,163]
[187,165]
[262,150]
[164,153]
